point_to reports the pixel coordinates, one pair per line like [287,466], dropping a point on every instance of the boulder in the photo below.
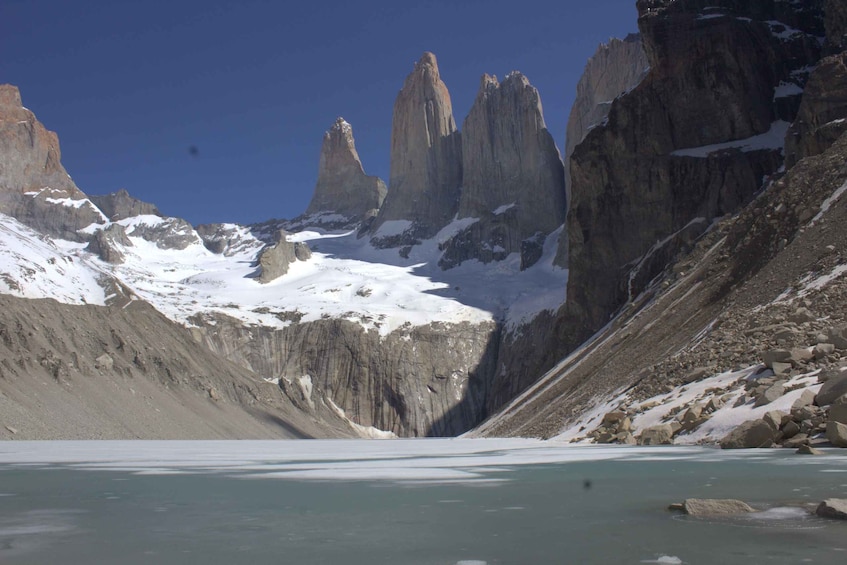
[837,335]
[104,363]
[752,434]
[836,433]
[809,450]
[821,350]
[776,418]
[770,394]
[657,435]
[715,507]
[837,413]
[807,398]
[775,356]
[835,508]
[833,388]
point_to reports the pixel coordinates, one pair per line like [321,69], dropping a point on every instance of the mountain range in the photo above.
[676,274]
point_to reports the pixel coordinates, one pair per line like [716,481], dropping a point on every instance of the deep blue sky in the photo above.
[131,86]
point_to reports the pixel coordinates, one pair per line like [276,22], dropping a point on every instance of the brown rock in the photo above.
[836,433]
[835,508]
[343,187]
[426,156]
[715,507]
[834,387]
[752,434]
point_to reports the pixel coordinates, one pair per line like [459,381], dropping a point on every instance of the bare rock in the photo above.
[715,507]
[106,243]
[775,356]
[513,178]
[821,350]
[833,388]
[807,398]
[752,434]
[657,435]
[104,363]
[426,157]
[275,260]
[836,433]
[837,413]
[343,187]
[770,394]
[808,450]
[834,508]
[120,205]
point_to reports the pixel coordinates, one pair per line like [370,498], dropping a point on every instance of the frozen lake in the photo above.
[427,502]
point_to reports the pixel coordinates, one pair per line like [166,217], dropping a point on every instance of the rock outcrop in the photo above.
[343,188]
[426,160]
[34,187]
[275,260]
[512,175]
[120,205]
[836,25]
[106,243]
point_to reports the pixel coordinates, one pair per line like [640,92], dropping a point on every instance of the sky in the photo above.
[215,110]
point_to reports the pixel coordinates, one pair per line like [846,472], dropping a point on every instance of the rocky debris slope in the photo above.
[120,206]
[34,187]
[343,188]
[426,160]
[126,372]
[513,179]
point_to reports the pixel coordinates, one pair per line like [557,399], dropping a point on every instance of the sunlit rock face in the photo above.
[343,188]
[34,187]
[513,177]
[426,156]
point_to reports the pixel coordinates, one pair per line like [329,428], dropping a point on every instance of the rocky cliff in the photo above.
[695,139]
[418,381]
[426,160]
[614,68]
[513,179]
[34,187]
[343,188]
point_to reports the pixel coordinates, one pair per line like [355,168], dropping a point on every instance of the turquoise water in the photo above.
[434,502]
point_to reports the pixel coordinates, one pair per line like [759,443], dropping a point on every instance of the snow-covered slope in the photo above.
[345,278]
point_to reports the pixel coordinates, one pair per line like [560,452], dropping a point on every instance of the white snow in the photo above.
[345,278]
[392,228]
[33,266]
[504,208]
[774,138]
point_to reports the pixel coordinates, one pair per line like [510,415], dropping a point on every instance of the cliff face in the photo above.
[34,187]
[658,164]
[513,178]
[425,381]
[343,187]
[120,205]
[426,157]
[614,68]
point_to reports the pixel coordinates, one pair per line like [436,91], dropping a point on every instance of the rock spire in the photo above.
[426,155]
[343,187]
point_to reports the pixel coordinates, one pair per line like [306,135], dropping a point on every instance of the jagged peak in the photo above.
[10,95]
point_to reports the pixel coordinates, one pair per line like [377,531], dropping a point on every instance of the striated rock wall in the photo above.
[513,177]
[343,187]
[34,187]
[426,155]
[420,381]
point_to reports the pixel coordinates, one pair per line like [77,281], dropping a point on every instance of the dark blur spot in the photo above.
[193,151]
[586,484]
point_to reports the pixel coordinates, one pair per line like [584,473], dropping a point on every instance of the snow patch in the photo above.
[774,138]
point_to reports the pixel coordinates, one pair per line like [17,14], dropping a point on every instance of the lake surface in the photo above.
[416,502]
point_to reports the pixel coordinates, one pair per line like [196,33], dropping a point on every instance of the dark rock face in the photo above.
[422,381]
[823,111]
[614,68]
[167,233]
[34,187]
[836,25]
[513,177]
[712,80]
[426,156]
[120,205]
[343,187]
